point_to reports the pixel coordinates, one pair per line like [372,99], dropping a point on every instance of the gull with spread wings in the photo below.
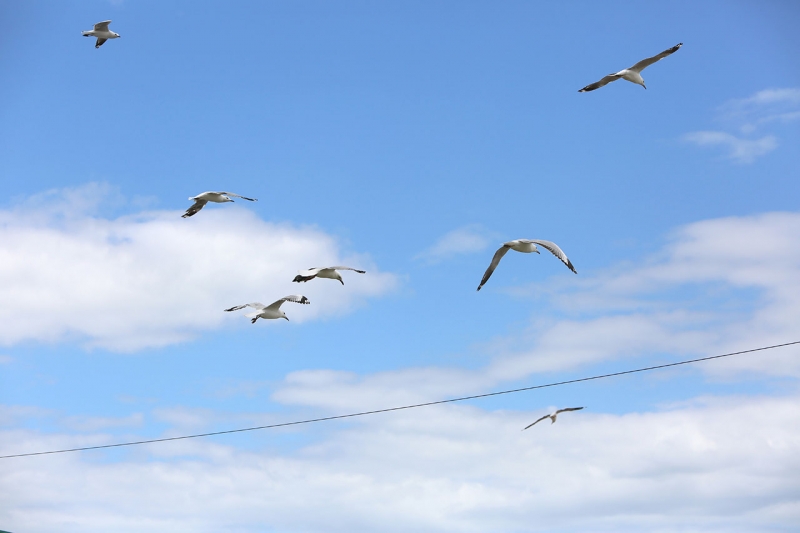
[324,272]
[217,197]
[633,74]
[525,246]
[102,33]
[553,416]
[272,310]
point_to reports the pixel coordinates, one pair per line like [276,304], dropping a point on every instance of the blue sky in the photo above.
[408,139]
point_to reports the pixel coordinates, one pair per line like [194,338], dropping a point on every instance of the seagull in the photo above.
[324,272]
[632,74]
[526,246]
[102,33]
[218,197]
[272,310]
[553,416]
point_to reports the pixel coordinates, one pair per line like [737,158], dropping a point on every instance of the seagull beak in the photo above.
[287,319]
[645,86]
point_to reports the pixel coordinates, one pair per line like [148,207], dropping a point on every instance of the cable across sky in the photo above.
[403,407]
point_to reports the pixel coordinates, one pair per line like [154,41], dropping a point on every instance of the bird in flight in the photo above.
[525,246]
[324,272]
[272,310]
[217,197]
[102,33]
[632,74]
[553,416]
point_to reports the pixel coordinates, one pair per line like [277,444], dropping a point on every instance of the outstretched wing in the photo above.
[296,298]
[569,409]
[596,85]
[99,42]
[556,251]
[254,305]
[348,268]
[238,196]
[529,425]
[194,208]
[102,26]
[498,255]
[644,63]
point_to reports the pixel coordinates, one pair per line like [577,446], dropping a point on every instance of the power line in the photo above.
[413,406]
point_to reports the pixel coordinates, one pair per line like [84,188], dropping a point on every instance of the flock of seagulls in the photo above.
[273,310]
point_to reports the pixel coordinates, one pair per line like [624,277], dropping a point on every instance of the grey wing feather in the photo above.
[102,26]
[498,255]
[296,298]
[529,425]
[254,305]
[569,409]
[644,63]
[239,196]
[556,251]
[348,268]
[596,85]
[194,208]
[99,42]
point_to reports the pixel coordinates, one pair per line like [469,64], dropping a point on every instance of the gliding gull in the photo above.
[525,246]
[217,197]
[632,74]
[553,416]
[272,310]
[324,272]
[102,33]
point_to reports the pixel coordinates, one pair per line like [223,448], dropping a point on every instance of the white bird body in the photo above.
[324,272]
[210,196]
[632,74]
[101,32]
[525,246]
[271,311]
[553,416]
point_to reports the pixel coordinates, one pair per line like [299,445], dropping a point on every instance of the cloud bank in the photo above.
[152,279]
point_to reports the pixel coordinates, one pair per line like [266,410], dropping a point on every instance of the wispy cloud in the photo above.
[748,116]
[464,240]
[739,149]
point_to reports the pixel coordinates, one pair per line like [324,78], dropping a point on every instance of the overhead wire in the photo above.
[403,407]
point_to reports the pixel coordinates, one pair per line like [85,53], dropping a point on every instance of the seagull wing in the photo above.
[254,305]
[596,85]
[195,207]
[238,196]
[99,42]
[569,409]
[102,26]
[526,427]
[348,268]
[644,63]
[556,251]
[498,255]
[296,298]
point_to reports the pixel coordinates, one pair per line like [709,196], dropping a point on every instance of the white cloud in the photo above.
[711,464]
[465,240]
[718,286]
[748,115]
[153,278]
[740,150]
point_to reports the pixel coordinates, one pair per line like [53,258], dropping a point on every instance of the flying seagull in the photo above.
[632,74]
[324,272]
[526,246]
[218,197]
[102,33]
[272,310]
[553,416]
